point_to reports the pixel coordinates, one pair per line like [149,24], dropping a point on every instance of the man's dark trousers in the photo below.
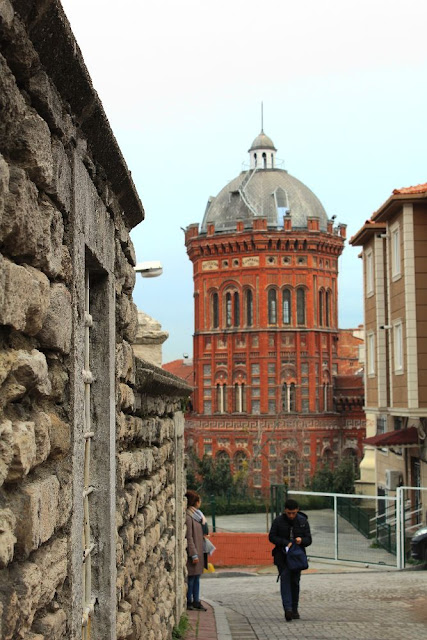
[289,589]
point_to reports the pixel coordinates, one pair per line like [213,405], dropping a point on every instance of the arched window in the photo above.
[228,310]
[239,397]
[288,397]
[249,308]
[215,311]
[236,310]
[328,309]
[272,306]
[222,457]
[264,160]
[221,398]
[321,308]
[290,470]
[326,397]
[255,158]
[272,161]
[240,462]
[300,306]
[286,306]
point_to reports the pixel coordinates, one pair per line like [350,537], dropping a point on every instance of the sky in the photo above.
[344,89]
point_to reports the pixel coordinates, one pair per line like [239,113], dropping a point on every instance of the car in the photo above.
[419,545]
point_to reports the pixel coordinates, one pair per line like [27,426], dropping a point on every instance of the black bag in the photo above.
[296,559]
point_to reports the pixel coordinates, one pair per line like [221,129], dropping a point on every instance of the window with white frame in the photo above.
[369,272]
[398,347]
[371,354]
[395,251]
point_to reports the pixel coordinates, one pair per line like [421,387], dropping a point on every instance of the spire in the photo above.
[262,117]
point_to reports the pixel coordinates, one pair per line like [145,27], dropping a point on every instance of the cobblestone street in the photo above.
[360,605]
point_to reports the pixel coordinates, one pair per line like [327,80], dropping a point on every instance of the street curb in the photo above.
[222,627]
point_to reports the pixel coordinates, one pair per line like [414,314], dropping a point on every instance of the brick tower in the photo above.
[266,327]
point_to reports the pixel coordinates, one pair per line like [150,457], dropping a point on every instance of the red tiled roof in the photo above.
[419,188]
[181,368]
[394,438]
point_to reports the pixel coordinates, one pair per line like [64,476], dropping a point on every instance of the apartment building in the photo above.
[394,253]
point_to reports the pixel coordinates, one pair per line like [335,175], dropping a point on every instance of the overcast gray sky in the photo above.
[345,102]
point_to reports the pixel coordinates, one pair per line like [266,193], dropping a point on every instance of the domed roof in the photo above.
[262,142]
[270,193]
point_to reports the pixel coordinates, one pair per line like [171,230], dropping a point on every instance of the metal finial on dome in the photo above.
[262,117]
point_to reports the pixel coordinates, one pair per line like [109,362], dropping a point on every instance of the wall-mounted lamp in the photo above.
[149,269]
[385,326]
[381,235]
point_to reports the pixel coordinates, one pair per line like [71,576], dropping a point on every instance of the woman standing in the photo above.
[194,550]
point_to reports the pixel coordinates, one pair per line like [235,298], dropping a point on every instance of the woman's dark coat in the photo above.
[283,531]
[194,537]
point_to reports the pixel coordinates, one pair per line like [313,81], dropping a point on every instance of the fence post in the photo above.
[399,524]
[336,526]
[213,504]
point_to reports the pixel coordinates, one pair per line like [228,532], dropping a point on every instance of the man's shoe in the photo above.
[199,606]
[288,615]
[190,606]
[295,614]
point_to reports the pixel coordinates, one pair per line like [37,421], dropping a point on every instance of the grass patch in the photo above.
[181,628]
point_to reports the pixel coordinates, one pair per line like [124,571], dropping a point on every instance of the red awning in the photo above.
[394,438]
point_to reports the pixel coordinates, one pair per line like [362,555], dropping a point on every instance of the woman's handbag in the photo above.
[296,559]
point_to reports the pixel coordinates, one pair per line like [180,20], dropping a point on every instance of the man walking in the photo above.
[291,527]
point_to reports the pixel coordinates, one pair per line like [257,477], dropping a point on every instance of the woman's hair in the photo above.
[192,498]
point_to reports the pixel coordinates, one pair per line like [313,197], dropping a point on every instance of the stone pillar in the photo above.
[149,339]
[180,552]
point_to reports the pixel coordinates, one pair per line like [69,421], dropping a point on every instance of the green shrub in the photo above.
[181,628]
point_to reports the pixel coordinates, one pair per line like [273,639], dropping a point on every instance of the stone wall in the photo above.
[89,441]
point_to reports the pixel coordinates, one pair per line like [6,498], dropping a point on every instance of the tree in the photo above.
[322,480]
[344,477]
[214,475]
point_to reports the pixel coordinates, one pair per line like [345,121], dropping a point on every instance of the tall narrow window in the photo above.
[264,160]
[371,354]
[369,272]
[286,306]
[328,308]
[236,310]
[272,306]
[301,306]
[215,311]
[228,310]
[288,397]
[398,347]
[321,308]
[395,252]
[249,308]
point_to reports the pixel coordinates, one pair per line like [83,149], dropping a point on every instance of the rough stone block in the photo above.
[31,225]
[127,398]
[42,425]
[135,463]
[4,185]
[59,436]
[53,626]
[30,370]
[58,376]
[23,131]
[36,509]
[23,594]
[126,317]
[51,559]
[7,536]
[24,451]
[57,326]
[62,181]
[125,362]
[26,311]
[6,448]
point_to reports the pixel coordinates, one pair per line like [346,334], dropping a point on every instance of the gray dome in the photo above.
[271,193]
[262,142]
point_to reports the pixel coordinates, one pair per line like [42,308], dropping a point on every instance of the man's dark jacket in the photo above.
[283,531]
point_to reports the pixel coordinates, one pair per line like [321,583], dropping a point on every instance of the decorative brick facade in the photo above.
[266,341]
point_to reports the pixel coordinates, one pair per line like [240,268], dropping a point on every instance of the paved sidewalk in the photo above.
[348,603]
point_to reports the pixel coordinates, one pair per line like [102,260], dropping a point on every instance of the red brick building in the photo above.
[266,340]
